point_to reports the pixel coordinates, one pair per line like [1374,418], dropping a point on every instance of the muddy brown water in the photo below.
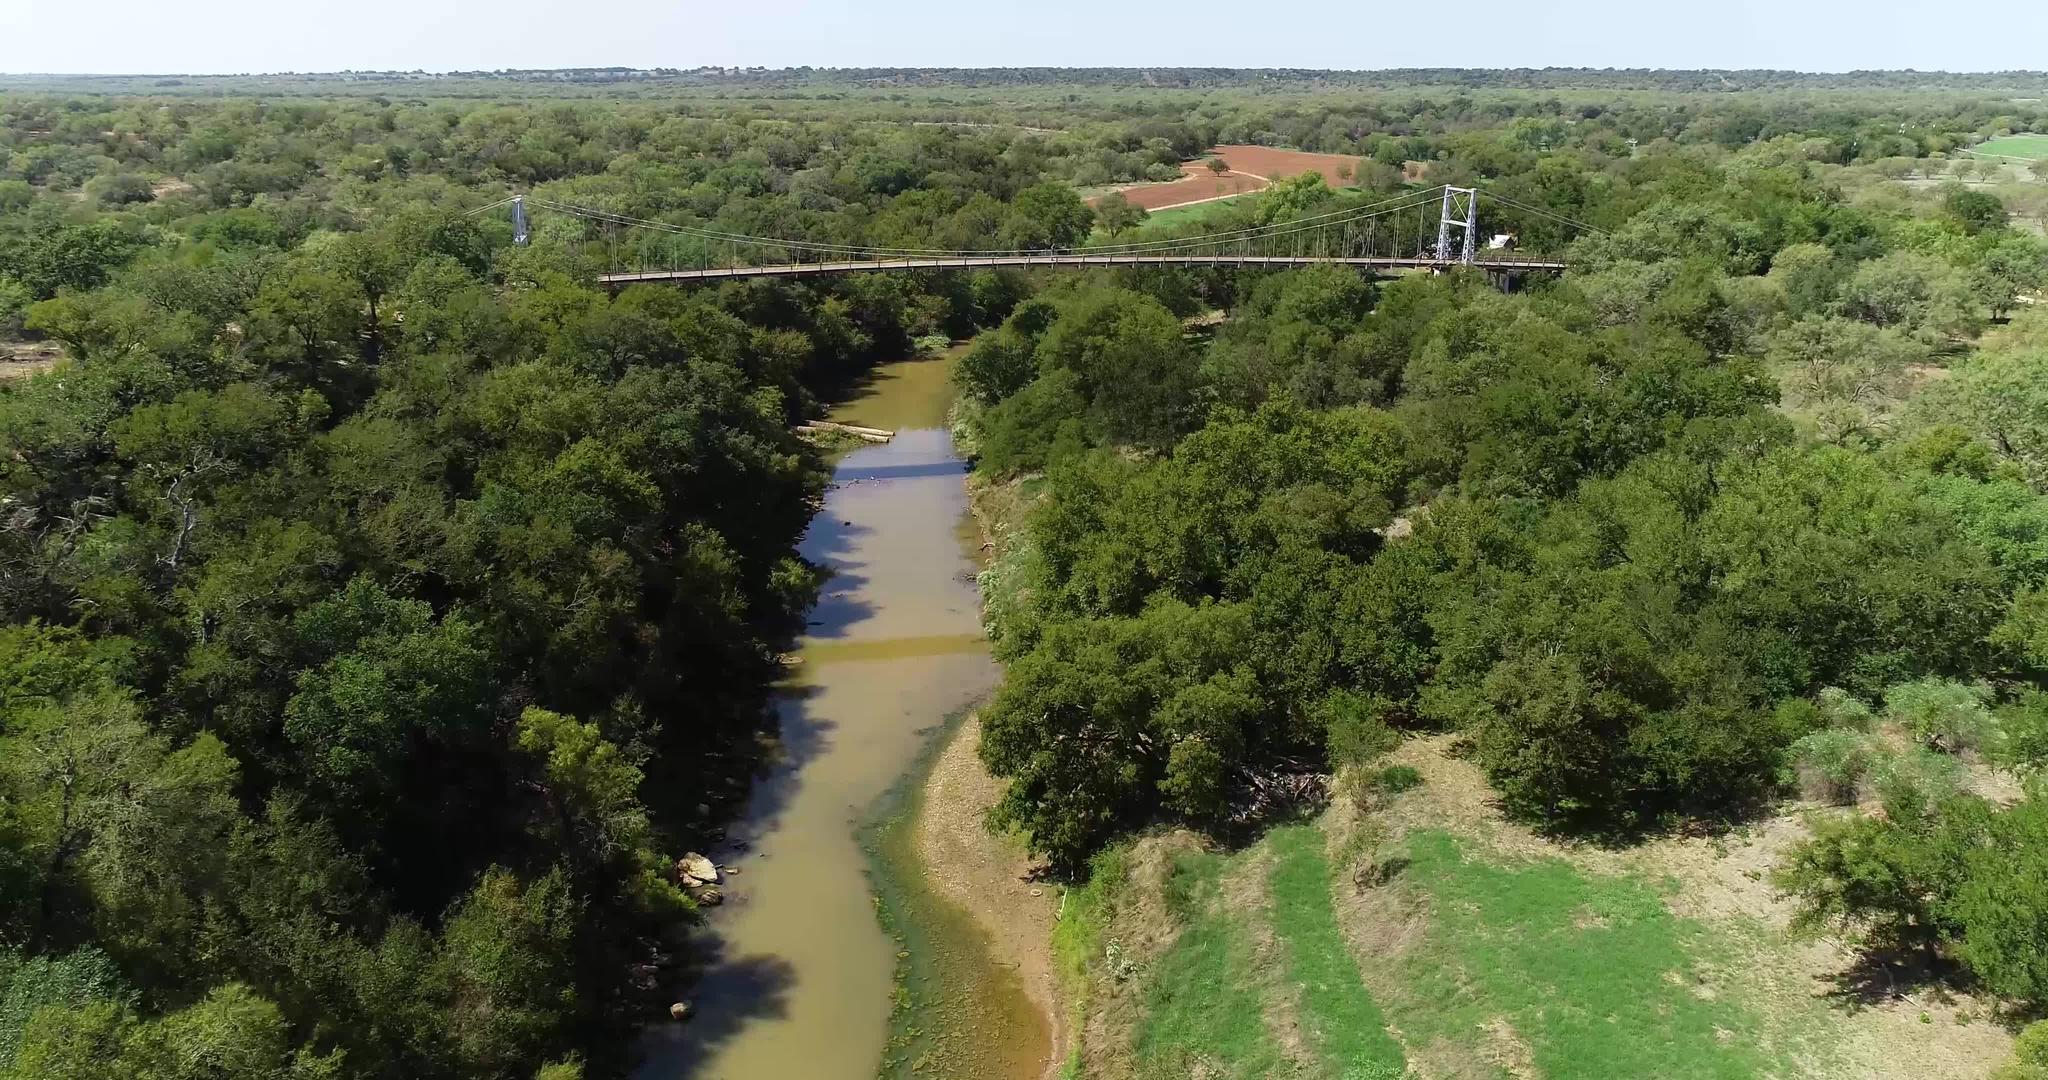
[798,980]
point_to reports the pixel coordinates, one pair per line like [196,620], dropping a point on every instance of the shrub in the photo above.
[1910,784]
[14,301]
[2004,910]
[1354,727]
[1946,715]
[1830,765]
[2029,1055]
[2024,727]
[1842,709]
[121,189]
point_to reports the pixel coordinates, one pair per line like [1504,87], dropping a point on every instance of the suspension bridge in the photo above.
[1431,230]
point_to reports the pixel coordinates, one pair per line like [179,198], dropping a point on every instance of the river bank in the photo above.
[978,992]
[974,992]
[992,878]
[794,973]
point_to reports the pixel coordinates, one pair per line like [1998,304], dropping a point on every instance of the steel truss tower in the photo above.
[1461,211]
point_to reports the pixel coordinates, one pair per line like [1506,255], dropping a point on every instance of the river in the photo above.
[798,975]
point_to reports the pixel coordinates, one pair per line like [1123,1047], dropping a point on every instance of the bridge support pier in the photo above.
[1507,281]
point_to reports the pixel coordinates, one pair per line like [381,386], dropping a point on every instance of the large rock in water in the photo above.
[693,870]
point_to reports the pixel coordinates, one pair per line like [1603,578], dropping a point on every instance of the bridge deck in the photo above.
[964,263]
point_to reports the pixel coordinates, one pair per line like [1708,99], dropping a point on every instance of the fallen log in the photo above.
[875,435]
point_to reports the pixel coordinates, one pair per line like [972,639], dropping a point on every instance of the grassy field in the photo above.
[2030,147]
[1571,974]
[1177,215]
[1173,215]
[1484,951]
[1522,969]
[1203,1013]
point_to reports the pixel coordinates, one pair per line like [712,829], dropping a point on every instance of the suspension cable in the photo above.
[1317,221]
[1276,228]
[1560,218]
[493,206]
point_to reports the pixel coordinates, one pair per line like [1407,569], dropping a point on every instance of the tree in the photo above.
[376,267]
[1116,215]
[1216,166]
[121,189]
[1048,217]
[1892,880]
[1552,737]
[2003,905]
[29,984]
[232,1034]
[112,326]
[1975,211]
[593,789]
[1810,275]
[1005,361]
[508,957]
[2002,395]
[1075,730]
[1844,372]
[50,255]
[1377,176]
[1912,291]
[2016,266]
[1131,362]
[381,677]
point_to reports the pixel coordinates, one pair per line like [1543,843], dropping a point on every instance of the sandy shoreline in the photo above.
[988,876]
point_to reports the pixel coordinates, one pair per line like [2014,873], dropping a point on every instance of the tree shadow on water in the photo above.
[839,608]
[841,603]
[801,735]
[726,993]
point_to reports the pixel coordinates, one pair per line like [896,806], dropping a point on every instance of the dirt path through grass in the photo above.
[1344,1025]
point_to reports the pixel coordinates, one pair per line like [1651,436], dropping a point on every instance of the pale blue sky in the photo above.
[325,35]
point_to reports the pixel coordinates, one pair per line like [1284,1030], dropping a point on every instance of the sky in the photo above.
[226,36]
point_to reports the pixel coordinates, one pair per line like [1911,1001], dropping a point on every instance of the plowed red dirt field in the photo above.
[1251,168]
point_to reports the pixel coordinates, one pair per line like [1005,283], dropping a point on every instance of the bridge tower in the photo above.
[1460,211]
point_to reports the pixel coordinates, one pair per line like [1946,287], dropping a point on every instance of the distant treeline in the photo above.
[1193,78]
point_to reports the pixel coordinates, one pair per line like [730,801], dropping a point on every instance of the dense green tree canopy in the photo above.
[381,600]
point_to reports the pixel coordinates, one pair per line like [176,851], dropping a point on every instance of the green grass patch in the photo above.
[1202,1011]
[2029,147]
[1168,217]
[1181,215]
[1078,938]
[1344,1025]
[1593,974]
